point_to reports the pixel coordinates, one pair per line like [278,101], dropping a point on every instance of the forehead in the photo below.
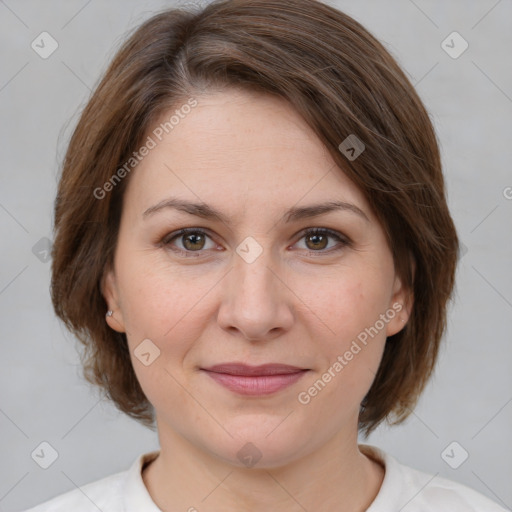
[238,146]
[233,126]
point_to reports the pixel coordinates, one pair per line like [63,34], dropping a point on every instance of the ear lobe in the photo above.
[111,295]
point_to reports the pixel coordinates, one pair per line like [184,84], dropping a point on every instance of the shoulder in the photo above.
[440,494]
[411,490]
[113,493]
[104,494]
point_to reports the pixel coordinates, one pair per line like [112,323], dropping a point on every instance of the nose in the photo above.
[256,301]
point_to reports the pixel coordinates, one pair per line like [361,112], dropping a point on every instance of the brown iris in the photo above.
[192,240]
[320,240]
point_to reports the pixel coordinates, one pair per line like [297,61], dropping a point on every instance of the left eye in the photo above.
[195,240]
[318,239]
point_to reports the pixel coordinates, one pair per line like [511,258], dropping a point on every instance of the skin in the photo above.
[301,302]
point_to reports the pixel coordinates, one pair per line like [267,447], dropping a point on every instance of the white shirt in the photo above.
[403,489]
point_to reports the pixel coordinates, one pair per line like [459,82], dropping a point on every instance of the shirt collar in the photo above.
[136,495]
[391,487]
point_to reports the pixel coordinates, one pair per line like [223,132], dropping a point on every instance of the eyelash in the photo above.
[343,240]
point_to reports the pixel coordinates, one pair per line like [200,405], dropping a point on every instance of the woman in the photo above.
[253,244]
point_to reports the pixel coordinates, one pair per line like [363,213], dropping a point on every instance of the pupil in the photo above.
[194,238]
[316,239]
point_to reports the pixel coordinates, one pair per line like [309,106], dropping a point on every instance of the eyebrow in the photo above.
[293,214]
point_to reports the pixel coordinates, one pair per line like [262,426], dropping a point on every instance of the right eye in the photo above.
[193,240]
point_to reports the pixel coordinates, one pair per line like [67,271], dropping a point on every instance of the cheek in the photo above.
[165,308]
[170,308]
[350,356]
[350,302]
[350,306]
[157,300]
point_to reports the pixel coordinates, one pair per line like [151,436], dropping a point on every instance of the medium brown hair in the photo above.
[343,82]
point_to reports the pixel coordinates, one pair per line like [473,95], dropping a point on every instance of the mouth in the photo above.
[255,380]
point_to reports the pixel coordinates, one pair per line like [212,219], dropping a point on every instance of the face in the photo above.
[267,281]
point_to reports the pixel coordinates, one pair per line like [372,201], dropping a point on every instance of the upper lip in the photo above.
[247,370]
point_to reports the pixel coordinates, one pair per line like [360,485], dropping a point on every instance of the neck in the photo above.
[183,477]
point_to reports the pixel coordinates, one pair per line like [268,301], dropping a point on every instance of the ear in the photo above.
[400,307]
[110,293]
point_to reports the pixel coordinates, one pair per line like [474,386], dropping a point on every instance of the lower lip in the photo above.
[256,385]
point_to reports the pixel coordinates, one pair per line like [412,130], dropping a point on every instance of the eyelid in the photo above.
[325,231]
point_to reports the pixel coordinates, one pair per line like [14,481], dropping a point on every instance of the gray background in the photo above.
[43,397]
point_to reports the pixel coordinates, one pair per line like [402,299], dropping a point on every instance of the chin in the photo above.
[261,442]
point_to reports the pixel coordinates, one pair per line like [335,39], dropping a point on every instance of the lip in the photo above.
[255,380]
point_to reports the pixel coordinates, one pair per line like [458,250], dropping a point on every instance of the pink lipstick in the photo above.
[255,380]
